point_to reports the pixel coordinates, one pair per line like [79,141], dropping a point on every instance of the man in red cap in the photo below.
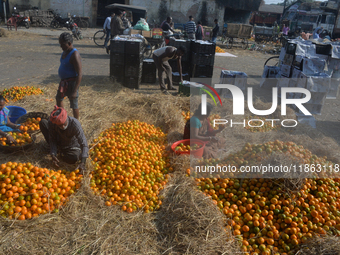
[65,135]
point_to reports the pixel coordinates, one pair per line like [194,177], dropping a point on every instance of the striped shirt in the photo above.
[190,27]
[73,136]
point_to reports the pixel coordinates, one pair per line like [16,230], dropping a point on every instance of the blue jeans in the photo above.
[213,39]
[108,36]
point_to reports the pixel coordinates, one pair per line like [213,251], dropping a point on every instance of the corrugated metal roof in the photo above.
[271,8]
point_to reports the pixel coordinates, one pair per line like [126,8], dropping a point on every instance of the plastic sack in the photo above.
[126,31]
[142,25]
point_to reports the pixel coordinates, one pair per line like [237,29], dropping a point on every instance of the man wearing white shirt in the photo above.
[107,29]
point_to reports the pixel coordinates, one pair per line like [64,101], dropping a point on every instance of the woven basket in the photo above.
[18,148]
[31,115]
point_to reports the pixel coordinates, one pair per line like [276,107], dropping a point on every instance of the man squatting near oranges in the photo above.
[65,137]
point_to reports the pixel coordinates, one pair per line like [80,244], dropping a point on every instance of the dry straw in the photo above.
[187,223]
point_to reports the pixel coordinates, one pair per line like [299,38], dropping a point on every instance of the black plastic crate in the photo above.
[185,66]
[133,71]
[149,66]
[202,59]
[117,71]
[133,47]
[204,48]
[186,44]
[290,48]
[117,58]
[117,46]
[132,82]
[149,77]
[323,49]
[133,59]
[202,70]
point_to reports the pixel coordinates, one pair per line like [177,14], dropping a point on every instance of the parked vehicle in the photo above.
[59,22]
[75,30]
[21,20]
[306,21]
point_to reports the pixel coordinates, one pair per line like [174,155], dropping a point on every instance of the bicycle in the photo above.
[82,23]
[99,37]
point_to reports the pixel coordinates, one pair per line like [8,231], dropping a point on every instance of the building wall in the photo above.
[41,4]
[180,10]
[74,7]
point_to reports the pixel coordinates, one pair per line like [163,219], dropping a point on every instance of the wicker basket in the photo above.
[31,115]
[18,148]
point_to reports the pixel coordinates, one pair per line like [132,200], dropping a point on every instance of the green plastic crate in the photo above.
[192,89]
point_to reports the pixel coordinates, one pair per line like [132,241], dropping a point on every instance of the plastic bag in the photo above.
[142,25]
[126,31]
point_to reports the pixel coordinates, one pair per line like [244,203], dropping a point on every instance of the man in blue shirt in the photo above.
[215,31]
[70,73]
[317,32]
[107,29]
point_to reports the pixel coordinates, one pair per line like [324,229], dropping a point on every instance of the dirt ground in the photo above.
[32,56]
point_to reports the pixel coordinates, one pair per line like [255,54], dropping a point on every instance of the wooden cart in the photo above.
[265,34]
[237,34]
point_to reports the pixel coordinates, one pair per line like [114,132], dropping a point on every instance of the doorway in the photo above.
[102,12]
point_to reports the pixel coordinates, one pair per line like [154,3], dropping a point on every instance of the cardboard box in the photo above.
[318,83]
[333,91]
[285,70]
[282,54]
[296,73]
[314,65]
[288,60]
[147,34]
[135,32]
[302,80]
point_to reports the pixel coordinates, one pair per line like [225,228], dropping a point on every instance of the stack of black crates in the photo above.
[185,63]
[202,59]
[149,71]
[126,62]
[117,60]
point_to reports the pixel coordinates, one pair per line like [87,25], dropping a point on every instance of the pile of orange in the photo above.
[131,165]
[219,50]
[21,139]
[17,93]
[31,124]
[187,148]
[28,191]
[252,154]
[187,115]
[265,217]
[211,119]
[267,125]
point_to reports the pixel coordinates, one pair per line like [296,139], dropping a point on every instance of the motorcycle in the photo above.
[21,20]
[75,29]
[59,22]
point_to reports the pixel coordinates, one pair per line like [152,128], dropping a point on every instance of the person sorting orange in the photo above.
[161,57]
[5,124]
[198,127]
[65,137]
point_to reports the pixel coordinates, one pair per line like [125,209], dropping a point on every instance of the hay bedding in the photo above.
[187,223]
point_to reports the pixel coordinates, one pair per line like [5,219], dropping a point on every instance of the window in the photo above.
[313,19]
[323,19]
[331,19]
